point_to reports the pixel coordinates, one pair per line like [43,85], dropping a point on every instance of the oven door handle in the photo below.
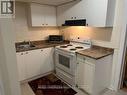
[69,54]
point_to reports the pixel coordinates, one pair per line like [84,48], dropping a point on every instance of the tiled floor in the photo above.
[26,90]
[50,85]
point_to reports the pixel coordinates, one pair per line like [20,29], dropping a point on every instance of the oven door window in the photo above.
[65,61]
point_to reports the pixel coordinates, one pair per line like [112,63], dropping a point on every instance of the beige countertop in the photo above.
[96,52]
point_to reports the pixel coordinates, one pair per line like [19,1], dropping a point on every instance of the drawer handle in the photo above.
[26,52]
[21,53]
[41,50]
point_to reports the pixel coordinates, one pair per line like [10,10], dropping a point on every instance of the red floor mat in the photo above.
[50,85]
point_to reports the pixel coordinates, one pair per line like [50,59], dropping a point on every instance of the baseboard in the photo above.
[36,77]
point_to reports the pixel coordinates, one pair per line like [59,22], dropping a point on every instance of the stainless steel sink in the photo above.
[25,45]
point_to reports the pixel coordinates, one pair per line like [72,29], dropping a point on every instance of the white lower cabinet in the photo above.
[85,74]
[21,66]
[93,76]
[47,63]
[35,62]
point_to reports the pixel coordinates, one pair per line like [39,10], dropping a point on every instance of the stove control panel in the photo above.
[86,41]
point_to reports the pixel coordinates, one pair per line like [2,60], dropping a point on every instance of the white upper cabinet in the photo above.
[50,15]
[37,17]
[98,13]
[42,15]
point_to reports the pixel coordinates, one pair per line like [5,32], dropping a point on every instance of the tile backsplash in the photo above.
[102,33]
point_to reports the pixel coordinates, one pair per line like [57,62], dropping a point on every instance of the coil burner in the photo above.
[73,49]
[63,46]
[79,47]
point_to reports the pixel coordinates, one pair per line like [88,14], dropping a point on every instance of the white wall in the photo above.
[117,42]
[8,64]
[118,39]
[1,84]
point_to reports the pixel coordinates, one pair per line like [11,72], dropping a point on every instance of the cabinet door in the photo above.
[50,16]
[21,66]
[43,15]
[32,60]
[47,60]
[37,15]
[85,76]
[97,13]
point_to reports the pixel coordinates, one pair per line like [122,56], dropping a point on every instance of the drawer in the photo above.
[64,76]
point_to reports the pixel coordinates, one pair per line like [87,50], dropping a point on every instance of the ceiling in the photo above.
[49,2]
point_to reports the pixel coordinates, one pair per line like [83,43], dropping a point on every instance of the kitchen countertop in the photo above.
[96,52]
[39,45]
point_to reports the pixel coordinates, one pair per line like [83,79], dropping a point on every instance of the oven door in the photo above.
[65,61]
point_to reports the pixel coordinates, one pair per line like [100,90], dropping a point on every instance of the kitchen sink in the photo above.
[25,45]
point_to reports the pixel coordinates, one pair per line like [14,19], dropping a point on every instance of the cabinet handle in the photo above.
[87,24]
[41,50]
[21,53]
[75,17]
[26,52]
[46,24]
[43,24]
[71,17]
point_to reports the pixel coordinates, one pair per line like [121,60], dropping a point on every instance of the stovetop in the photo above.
[72,47]
[76,45]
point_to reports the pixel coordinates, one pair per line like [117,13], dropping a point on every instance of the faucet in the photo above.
[29,42]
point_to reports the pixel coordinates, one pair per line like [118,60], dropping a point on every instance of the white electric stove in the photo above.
[75,46]
[65,59]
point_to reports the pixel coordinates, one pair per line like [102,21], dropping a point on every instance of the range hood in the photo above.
[80,22]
